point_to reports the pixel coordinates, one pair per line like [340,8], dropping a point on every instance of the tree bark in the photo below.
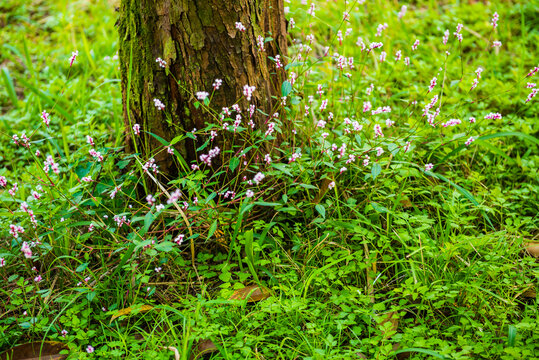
[200,43]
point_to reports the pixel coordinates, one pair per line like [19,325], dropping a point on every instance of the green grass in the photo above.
[393,261]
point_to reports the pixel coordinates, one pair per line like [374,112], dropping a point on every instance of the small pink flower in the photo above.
[478,72]
[533,71]
[74,55]
[240,26]
[249,193]
[202,95]
[432,84]
[248,91]
[493,116]
[494,21]
[217,84]
[446,37]
[38,279]
[429,166]
[258,178]
[162,63]
[378,131]
[531,95]
[474,84]
[415,45]
[158,104]
[136,129]
[2,262]
[380,28]
[469,141]
[63,333]
[402,11]
[45,117]
[90,349]
[496,43]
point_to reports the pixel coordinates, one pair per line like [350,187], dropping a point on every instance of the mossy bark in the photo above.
[200,43]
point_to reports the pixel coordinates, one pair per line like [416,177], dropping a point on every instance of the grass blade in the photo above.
[8,81]
[47,99]
[423,351]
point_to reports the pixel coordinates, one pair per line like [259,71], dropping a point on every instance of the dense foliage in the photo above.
[397,218]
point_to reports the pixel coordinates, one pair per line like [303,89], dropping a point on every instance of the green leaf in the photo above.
[308,186]
[393,148]
[358,139]
[263,203]
[376,170]
[165,246]
[286,88]
[321,210]
[234,162]
[203,146]
[423,351]
[511,335]
[379,208]
[282,168]
[148,219]
[213,227]
[82,267]
[8,81]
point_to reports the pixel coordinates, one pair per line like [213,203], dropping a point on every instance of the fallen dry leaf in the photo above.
[253,292]
[47,350]
[201,348]
[532,249]
[388,330]
[129,310]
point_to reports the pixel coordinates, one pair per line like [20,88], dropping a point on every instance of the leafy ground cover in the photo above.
[397,220]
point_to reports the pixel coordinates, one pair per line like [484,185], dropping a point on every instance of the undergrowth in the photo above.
[393,221]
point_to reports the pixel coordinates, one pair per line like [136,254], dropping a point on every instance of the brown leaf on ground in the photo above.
[532,249]
[252,292]
[201,348]
[129,310]
[47,350]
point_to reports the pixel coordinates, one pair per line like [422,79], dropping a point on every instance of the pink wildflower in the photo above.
[162,63]
[158,104]
[240,26]
[45,117]
[74,55]
[494,21]
[531,95]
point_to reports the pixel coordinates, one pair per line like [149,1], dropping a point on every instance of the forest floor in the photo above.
[425,248]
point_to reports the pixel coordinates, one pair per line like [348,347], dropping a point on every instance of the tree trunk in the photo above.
[200,43]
